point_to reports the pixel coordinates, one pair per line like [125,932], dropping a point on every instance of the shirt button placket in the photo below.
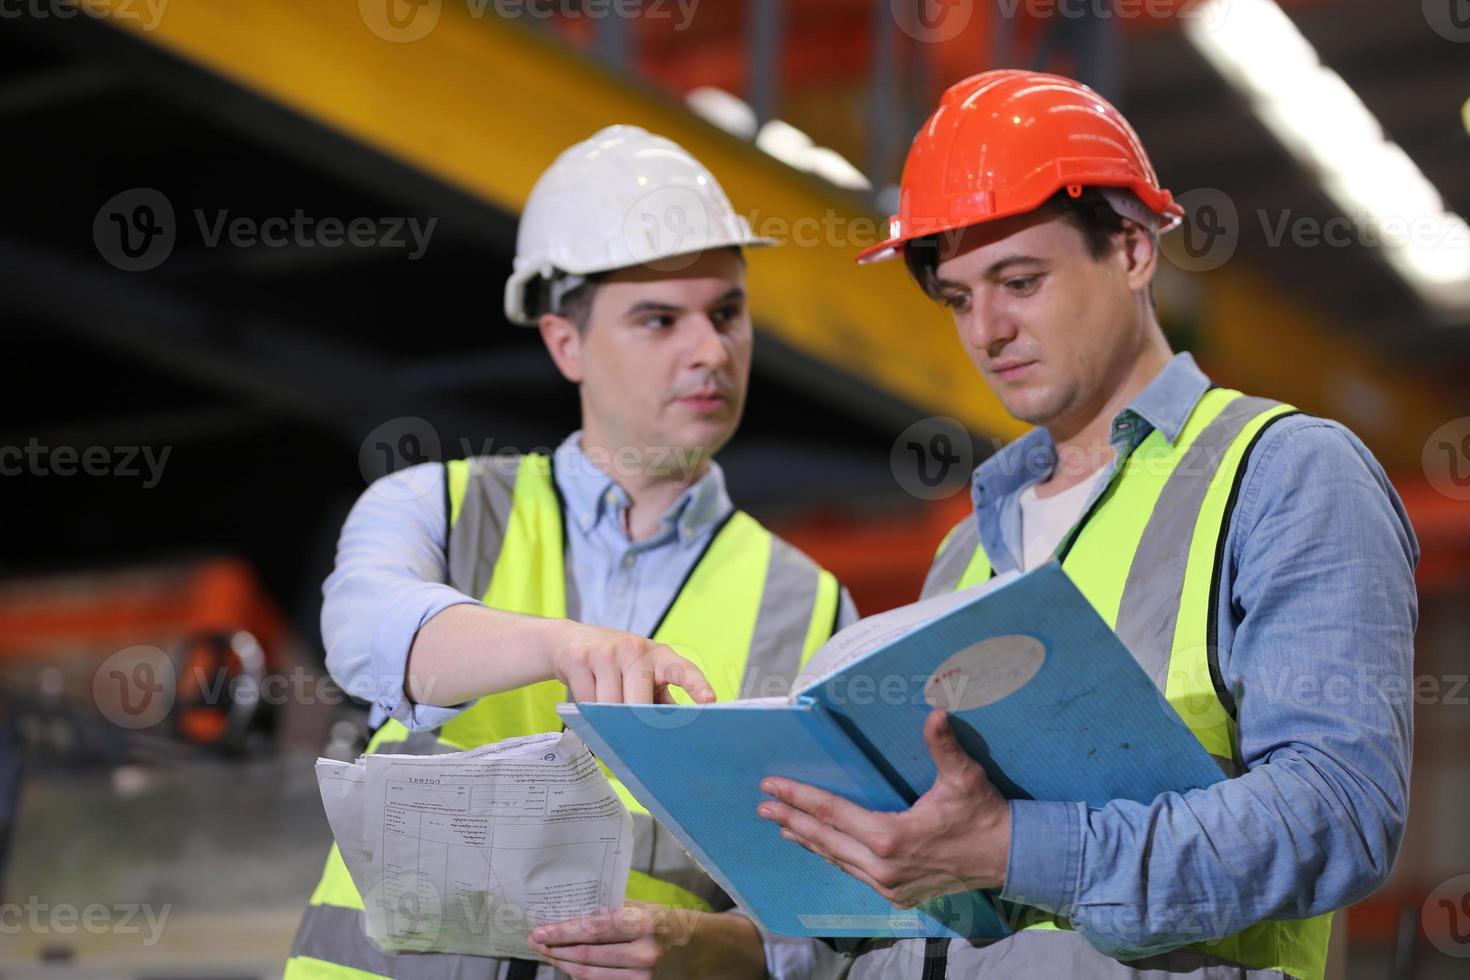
[622,597]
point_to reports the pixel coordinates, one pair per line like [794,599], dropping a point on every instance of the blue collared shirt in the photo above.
[1317,618]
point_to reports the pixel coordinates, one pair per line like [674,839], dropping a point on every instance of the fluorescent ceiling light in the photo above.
[784,142]
[828,163]
[1327,128]
[729,112]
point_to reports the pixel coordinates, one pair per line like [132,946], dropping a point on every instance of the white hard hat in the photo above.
[622,197]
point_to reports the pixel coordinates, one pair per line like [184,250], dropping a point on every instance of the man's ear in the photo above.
[564,343]
[1140,254]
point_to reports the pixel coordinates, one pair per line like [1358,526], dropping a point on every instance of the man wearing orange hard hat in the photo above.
[1254,559]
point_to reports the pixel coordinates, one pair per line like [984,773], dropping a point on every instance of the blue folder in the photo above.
[1037,687]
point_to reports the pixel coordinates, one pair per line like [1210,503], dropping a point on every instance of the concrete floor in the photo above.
[200,869]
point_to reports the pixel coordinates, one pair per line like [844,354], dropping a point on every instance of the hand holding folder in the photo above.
[1037,688]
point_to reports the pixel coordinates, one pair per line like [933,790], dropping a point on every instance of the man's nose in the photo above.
[986,328]
[707,346]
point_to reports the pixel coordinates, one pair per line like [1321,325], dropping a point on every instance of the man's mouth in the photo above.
[704,401]
[1011,370]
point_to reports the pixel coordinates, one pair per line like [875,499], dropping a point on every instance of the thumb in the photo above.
[949,756]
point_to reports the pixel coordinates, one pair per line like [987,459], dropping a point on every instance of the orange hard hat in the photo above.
[1003,142]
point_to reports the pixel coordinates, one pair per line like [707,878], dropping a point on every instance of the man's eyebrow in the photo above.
[729,296]
[652,306]
[658,306]
[999,266]
[992,271]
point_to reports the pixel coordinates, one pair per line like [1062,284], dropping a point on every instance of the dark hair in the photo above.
[1090,213]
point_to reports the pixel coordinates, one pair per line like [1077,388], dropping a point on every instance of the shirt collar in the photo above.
[590,494]
[1165,403]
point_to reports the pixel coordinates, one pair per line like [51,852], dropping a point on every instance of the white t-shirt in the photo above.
[1045,521]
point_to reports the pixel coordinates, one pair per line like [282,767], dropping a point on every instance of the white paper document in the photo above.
[874,632]
[467,852]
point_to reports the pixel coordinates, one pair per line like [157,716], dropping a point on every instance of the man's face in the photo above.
[1052,330]
[664,359]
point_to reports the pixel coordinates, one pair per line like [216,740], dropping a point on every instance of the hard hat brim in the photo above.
[515,286]
[1168,220]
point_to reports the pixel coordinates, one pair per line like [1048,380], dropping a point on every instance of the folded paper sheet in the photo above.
[466,852]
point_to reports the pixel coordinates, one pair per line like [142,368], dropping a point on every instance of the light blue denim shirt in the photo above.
[1317,618]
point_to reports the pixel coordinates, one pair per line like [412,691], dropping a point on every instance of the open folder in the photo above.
[1039,690]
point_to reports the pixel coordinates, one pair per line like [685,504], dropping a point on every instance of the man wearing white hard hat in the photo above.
[512,584]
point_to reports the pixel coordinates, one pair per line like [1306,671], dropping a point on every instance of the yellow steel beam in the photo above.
[1263,342]
[485,105]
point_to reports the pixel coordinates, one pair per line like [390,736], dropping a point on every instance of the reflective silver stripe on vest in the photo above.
[1044,955]
[787,602]
[334,934]
[944,575]
[476,537]
[1149,608]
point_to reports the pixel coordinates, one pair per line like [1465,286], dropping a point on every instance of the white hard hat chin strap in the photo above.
[560,285]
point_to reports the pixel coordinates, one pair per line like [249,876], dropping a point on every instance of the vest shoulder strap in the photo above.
[751,610]
[959,562]
[479,494]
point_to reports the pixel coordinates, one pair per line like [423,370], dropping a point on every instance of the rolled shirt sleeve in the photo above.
[1316,639]
[388,582]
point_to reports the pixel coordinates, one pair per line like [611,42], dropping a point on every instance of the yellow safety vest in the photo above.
[752,610]
[1147,556]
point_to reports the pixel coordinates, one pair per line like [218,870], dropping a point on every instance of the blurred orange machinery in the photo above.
[92,662]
